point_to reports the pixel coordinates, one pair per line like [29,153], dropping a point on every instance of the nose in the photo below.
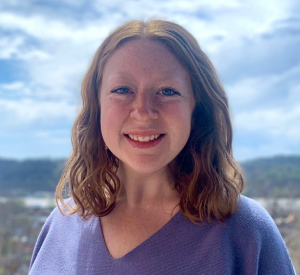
[143,108]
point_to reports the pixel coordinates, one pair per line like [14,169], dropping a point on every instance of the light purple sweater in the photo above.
[248,243]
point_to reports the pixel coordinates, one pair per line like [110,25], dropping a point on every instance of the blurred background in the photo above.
[45,49]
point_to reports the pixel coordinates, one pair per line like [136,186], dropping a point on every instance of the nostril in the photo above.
[144,114]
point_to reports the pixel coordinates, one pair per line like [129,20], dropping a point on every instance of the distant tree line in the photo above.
[24,177]
[269,177]
[272,177]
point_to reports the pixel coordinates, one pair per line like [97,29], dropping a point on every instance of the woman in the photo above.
[154,187]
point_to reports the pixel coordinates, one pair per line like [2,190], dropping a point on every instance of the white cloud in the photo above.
[9,46]
[268,106]
[262,85]
[268,149]
[24,112]
[255,93]
[37,26]
[16,47]
[47,29]
[281,123]
[15,90]
[12,86]
[55,136]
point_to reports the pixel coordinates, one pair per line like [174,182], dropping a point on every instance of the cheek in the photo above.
[109,119]
[180,114]
[112,118]
[180,119]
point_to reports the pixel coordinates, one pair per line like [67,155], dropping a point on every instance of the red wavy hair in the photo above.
[207,176]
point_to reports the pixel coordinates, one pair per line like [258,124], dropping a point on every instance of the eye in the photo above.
[168,92]
[121,90]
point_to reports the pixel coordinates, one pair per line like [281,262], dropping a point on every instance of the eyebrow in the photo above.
[130,76]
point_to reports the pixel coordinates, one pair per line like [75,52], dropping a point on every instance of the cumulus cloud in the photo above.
[283,123]
[254,47]
[265,91]
[26,112]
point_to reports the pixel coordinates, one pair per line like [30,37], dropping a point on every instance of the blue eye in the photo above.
[168,92]
[121,90]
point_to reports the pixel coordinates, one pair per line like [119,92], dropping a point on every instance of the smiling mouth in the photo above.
[144,139]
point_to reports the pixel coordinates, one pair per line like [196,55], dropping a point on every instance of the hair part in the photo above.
[207,176]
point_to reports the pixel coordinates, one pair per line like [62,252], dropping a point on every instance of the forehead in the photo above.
[144,56]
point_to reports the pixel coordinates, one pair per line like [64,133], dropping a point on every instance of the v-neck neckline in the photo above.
[142,244]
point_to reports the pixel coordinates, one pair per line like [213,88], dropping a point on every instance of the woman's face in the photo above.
[146,103]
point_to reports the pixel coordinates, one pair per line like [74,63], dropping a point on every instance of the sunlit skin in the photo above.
[144,92]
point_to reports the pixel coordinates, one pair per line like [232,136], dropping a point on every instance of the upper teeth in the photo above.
[144,139]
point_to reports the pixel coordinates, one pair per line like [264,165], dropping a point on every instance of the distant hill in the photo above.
[270,177]
[23,177]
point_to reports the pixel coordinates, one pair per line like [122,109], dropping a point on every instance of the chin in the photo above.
[145,167]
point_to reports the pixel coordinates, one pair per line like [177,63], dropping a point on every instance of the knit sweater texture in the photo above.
[248,243]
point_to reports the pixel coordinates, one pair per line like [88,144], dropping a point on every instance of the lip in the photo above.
[144,145]
[144,133]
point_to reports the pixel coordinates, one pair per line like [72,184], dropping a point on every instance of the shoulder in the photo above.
[251,214]
[253,221]
[255,236]
[60,235]
[54,231]
[58,224]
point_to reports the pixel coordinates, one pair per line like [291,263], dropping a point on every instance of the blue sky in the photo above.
[46,47]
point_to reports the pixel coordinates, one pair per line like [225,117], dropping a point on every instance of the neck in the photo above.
[147,191]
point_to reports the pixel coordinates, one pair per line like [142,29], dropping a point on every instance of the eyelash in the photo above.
[174,92]
[115,91]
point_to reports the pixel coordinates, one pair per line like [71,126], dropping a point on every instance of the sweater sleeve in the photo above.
[264,246]
[274,257]
[41,238]
[57,245]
